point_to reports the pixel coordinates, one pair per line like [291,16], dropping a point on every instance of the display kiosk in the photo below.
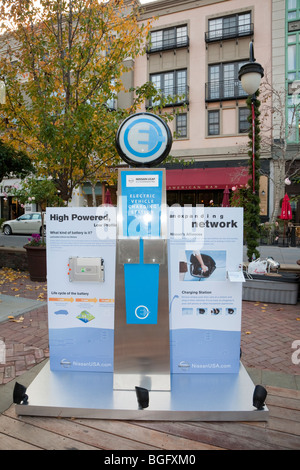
[144,302]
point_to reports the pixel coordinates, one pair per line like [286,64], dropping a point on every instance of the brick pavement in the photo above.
[267,332]
[26,336]
[267,335]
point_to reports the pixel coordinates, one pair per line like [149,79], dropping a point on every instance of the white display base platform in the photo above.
[193,397]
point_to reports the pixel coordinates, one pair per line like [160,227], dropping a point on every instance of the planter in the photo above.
[281,289]
[37,265]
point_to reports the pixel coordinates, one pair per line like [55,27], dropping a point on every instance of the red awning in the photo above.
[208,178]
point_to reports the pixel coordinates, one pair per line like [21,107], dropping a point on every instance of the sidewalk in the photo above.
[267,334]
[24,323]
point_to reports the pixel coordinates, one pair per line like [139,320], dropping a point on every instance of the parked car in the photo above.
[28,223]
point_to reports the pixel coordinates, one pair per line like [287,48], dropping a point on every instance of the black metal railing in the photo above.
[172,96]
[231,32]
[217,90]
[165,45]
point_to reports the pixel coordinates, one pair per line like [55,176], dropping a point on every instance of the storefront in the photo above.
[205,185]
[10,208]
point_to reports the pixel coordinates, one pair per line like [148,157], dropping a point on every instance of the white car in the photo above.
[28,223]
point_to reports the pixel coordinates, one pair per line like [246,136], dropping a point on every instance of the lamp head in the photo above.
[251,73]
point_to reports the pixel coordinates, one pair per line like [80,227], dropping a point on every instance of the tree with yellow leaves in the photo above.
[62,62]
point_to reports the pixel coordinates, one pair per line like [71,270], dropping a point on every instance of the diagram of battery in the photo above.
[83,269]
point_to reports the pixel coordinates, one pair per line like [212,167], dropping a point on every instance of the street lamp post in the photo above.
[250,75]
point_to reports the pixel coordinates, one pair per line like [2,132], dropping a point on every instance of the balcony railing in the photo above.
[231,32]
[220,90]
[165,45]
[173,96]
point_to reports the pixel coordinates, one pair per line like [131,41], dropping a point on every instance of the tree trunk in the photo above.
[94,195]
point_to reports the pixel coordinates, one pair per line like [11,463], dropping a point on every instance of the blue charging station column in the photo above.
[141,339]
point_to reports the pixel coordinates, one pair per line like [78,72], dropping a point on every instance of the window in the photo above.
[171,84]
[293,11]
[229,27]
[214,122]
[292,128]
[223,82]
[244,125]
[293,74]
[181,125]
[169,38]
[292,57]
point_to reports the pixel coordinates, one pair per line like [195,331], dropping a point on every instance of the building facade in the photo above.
[195,53]
[193,58]
[287,16]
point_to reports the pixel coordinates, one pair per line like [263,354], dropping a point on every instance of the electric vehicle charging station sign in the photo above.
[133,263]
[141,203]
[143,140]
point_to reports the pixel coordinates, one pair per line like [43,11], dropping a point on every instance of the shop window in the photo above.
[207,198]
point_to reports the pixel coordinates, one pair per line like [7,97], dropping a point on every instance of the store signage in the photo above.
[294,26]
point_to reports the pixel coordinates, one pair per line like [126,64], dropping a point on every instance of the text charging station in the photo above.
[144,302]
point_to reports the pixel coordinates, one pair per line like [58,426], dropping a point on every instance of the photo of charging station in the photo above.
[160,334]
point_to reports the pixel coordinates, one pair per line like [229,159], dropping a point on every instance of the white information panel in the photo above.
[205,289]
[81,245]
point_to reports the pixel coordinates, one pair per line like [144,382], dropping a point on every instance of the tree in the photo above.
[278,129]
[12,161]
[252,200]
[43,192]
[61,62]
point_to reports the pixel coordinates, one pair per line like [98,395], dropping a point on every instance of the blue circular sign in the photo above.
[143,139]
